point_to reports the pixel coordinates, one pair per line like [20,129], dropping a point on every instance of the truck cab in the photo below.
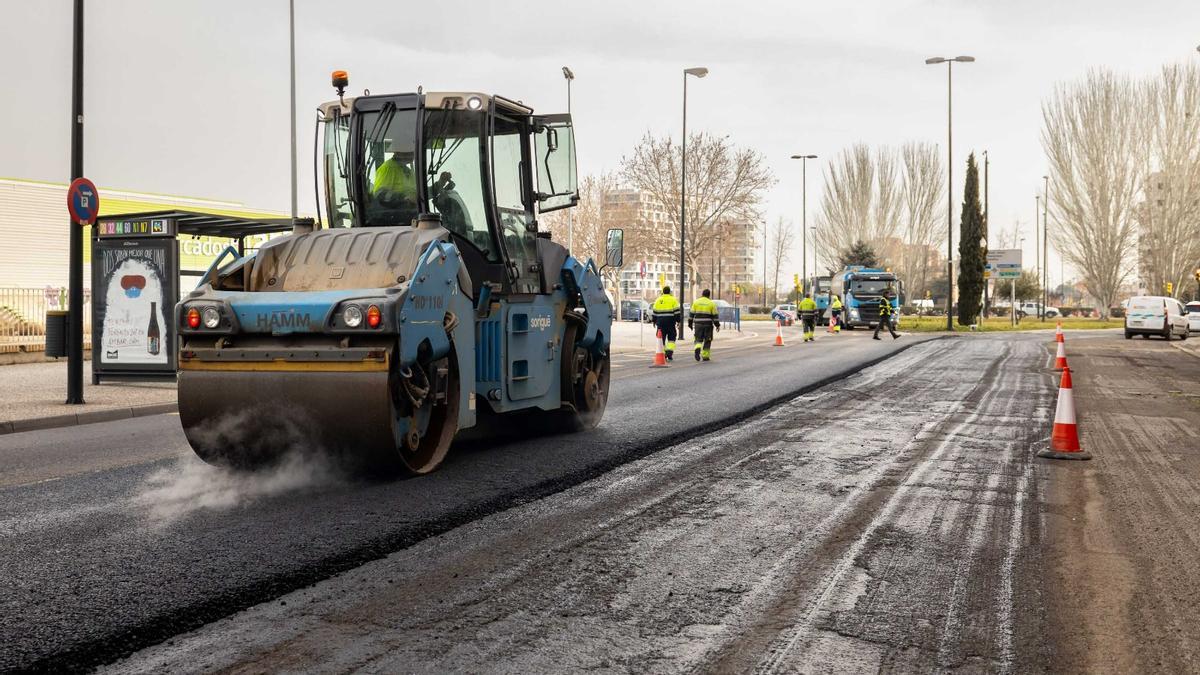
[860,289]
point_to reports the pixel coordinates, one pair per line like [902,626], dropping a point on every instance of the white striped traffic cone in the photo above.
[778,334]
[1064,439]
[1060,359]
[660,356]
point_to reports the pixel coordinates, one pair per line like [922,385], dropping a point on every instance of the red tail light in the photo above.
[193,318]
[373,316]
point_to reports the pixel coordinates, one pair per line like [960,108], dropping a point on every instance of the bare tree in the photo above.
[781,239]
[1093,142]
[862,201]
[590,220]
[724,183]
[924,208]
[1169,214]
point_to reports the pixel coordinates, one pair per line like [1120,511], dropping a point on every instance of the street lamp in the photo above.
[949,177]
[695,72]
[804,215]
[569,76]
[1045,240]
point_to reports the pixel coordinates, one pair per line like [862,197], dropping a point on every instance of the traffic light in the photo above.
[796,281]
[1170,287]
[1197,275]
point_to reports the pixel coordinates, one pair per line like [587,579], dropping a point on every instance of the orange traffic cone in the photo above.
[660,356]
[1058,334]
[1064,440]
[1060,360]
[778,334]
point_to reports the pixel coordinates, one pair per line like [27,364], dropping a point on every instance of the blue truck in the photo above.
[427,305]
[860,288]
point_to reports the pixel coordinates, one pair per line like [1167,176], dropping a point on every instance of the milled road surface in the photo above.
[1123,530]
[115,538]
[885,522]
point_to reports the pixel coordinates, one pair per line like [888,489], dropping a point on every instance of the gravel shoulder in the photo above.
[1121,531]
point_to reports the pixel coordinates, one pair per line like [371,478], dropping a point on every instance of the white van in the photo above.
[1148,315]
[1193,316]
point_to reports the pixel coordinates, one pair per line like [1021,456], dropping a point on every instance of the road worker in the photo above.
[667,317]
[835,314]
[885,313]
[703,319]
[808,315]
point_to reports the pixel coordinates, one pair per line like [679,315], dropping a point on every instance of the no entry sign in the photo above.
[83,201]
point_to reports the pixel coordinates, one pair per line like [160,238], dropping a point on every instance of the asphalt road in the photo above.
[881,523]
[115,538]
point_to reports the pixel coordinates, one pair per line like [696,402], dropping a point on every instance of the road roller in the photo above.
[423,303]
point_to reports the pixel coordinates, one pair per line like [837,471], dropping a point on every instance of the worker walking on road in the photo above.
[835,315]
[667,317]
[808,314]
[885,314]
[703,319]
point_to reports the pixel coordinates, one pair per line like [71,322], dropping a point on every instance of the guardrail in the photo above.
[23,317]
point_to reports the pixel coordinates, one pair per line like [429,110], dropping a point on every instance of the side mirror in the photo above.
[614,248]
[551,139]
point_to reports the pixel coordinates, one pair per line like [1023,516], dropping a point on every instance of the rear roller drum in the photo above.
[585,378]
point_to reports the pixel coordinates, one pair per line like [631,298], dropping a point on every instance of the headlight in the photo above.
[352,316]
[474,103]
[212,318]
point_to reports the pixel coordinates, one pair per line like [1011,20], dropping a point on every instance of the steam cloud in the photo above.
[192,485]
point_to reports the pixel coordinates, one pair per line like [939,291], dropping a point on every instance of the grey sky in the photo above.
[191,97]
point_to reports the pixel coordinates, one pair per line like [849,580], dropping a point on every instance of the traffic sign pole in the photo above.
[75,316]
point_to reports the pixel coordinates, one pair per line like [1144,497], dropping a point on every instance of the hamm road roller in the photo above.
[423,302]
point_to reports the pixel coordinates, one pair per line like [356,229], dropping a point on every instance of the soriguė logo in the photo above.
[282,319]
[540,322]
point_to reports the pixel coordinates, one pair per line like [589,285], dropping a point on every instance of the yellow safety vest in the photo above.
[395,177]
[665,305]
[704,310]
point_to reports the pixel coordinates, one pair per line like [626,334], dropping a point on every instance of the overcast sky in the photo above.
[191,97]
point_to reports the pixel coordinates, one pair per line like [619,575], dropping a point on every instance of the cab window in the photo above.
[513,211]
[455,178]
[389,177]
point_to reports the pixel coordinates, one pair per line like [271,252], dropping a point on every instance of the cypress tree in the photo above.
[970,253]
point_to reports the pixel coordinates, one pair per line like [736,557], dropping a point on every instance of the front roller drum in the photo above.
[250,419]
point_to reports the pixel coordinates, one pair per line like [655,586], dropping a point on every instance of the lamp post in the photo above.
[984,243]
[949,178]
[804,216]
[1037,238]
[1045,242]
[569,76]
[695,72]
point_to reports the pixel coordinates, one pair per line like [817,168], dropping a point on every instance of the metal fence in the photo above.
[23,317]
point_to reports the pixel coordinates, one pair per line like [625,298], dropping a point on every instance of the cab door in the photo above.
[512,192]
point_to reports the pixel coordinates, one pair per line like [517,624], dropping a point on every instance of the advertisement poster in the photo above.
[136,297]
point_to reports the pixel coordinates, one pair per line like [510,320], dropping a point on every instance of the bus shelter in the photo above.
[136,283]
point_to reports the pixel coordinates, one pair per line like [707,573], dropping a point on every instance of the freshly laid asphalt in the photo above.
[116,538]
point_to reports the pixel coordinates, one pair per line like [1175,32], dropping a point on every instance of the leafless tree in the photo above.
[1168,216]
[1093,142]
[724,183]
[862,201]
[589,222]
[781,239]
[924,208]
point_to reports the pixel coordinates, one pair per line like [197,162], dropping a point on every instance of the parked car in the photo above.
[630,310]
[1148,315]
[785,314]
[1192,309]
[1025,309]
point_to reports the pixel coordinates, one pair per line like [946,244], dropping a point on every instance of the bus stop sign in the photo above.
[83,202]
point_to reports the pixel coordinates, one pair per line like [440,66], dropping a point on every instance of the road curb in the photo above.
[86,417]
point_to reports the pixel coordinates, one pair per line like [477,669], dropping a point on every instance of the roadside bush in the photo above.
[1068,312]
[1117,312]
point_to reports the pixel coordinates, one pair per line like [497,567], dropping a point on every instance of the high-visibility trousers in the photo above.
[703,334]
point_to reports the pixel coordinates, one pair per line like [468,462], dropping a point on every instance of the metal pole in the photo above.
[986,241]
[683,208]
[950,195]
[765,245]
[75,317]
[292,117]
[1037,254]
[1045,240]
[570,215]
[804,218]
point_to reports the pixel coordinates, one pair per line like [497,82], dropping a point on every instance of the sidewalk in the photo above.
[32,395]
